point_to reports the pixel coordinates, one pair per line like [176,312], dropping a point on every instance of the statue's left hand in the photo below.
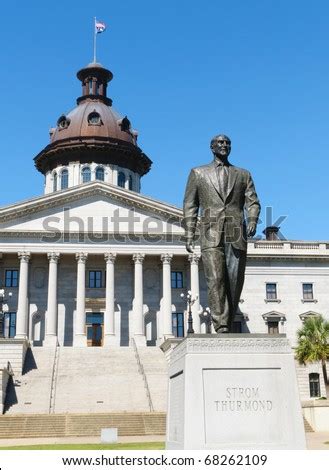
[251,230]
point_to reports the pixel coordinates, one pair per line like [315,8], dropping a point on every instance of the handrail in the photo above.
[53,381]
[142,372]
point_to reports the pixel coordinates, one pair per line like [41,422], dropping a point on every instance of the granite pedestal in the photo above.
[234,391]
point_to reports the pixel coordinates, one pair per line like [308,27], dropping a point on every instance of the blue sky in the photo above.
[256,70]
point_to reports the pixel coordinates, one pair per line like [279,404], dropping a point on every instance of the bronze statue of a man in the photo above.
[223,193]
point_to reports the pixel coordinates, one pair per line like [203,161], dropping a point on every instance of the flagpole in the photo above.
[95,35]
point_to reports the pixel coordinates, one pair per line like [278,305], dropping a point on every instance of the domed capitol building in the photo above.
[92,274]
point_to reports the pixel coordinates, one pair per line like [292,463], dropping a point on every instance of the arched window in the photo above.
[130,182]
[64,179]
[314,380]
[100,173]
[86,174]
[94,118]
[55,182]
[63,122]
[121,179]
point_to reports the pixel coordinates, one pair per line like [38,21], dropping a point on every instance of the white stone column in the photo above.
[138,304]
[22,308]
[166,296]
[115,175]
[51,315]
[109,325]
[80,338]
[195,290]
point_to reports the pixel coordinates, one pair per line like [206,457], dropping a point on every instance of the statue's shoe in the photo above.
[222,329]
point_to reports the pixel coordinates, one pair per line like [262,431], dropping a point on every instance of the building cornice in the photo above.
[262,250]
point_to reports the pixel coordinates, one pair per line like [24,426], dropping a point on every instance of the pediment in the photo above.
[95,207]
[309,314]
[274,316]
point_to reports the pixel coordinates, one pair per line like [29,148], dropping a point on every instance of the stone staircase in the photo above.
[99,380]
[86,380]
[30,391]
[68,425]
[156,370]
[307,426]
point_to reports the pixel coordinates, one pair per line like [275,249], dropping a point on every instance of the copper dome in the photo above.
[109,125]
[93,131]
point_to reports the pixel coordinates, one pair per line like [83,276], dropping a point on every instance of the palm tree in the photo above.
[313,343]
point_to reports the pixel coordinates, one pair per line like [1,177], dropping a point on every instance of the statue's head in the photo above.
[221,146]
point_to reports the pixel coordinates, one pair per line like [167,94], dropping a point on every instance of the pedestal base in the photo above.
[234,391]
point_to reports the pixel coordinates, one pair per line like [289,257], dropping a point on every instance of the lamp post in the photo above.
[190,302]
[207,315]
[3,308]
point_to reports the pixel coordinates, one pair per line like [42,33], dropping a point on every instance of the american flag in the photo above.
[100,26]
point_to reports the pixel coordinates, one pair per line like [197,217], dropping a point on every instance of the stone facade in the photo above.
[142,299]
[54,252]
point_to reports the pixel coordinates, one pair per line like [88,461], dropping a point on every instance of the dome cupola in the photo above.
[94,79]
[93,141]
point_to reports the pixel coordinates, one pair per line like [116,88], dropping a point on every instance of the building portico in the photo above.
[134,299]
[61,293]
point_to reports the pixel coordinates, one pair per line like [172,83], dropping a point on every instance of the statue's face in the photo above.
[221,146]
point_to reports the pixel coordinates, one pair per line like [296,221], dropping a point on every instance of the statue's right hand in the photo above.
[189,245]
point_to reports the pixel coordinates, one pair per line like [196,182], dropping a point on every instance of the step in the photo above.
[307,426]
[128,424]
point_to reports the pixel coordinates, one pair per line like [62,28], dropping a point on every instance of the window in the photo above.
[121,179]
[95,318]
[9,325]
[95,279]
[90,83]
[55,182]
[307,291]
[94,119]
[272,320]
[100,173]
[63,122]
[11,278]
[86,174]
[271,293]
[94,328]
[130,183]
[273,327]
[64,179]
[176,279]
[314,380]
[125,124]
[178,324]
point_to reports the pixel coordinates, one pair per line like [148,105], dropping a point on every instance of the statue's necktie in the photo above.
[222,172]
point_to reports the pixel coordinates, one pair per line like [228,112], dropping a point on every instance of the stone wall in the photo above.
[13,351]
[317,414]
[303,379]
[4,377]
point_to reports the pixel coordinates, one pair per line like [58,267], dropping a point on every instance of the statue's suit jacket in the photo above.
[222,218]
